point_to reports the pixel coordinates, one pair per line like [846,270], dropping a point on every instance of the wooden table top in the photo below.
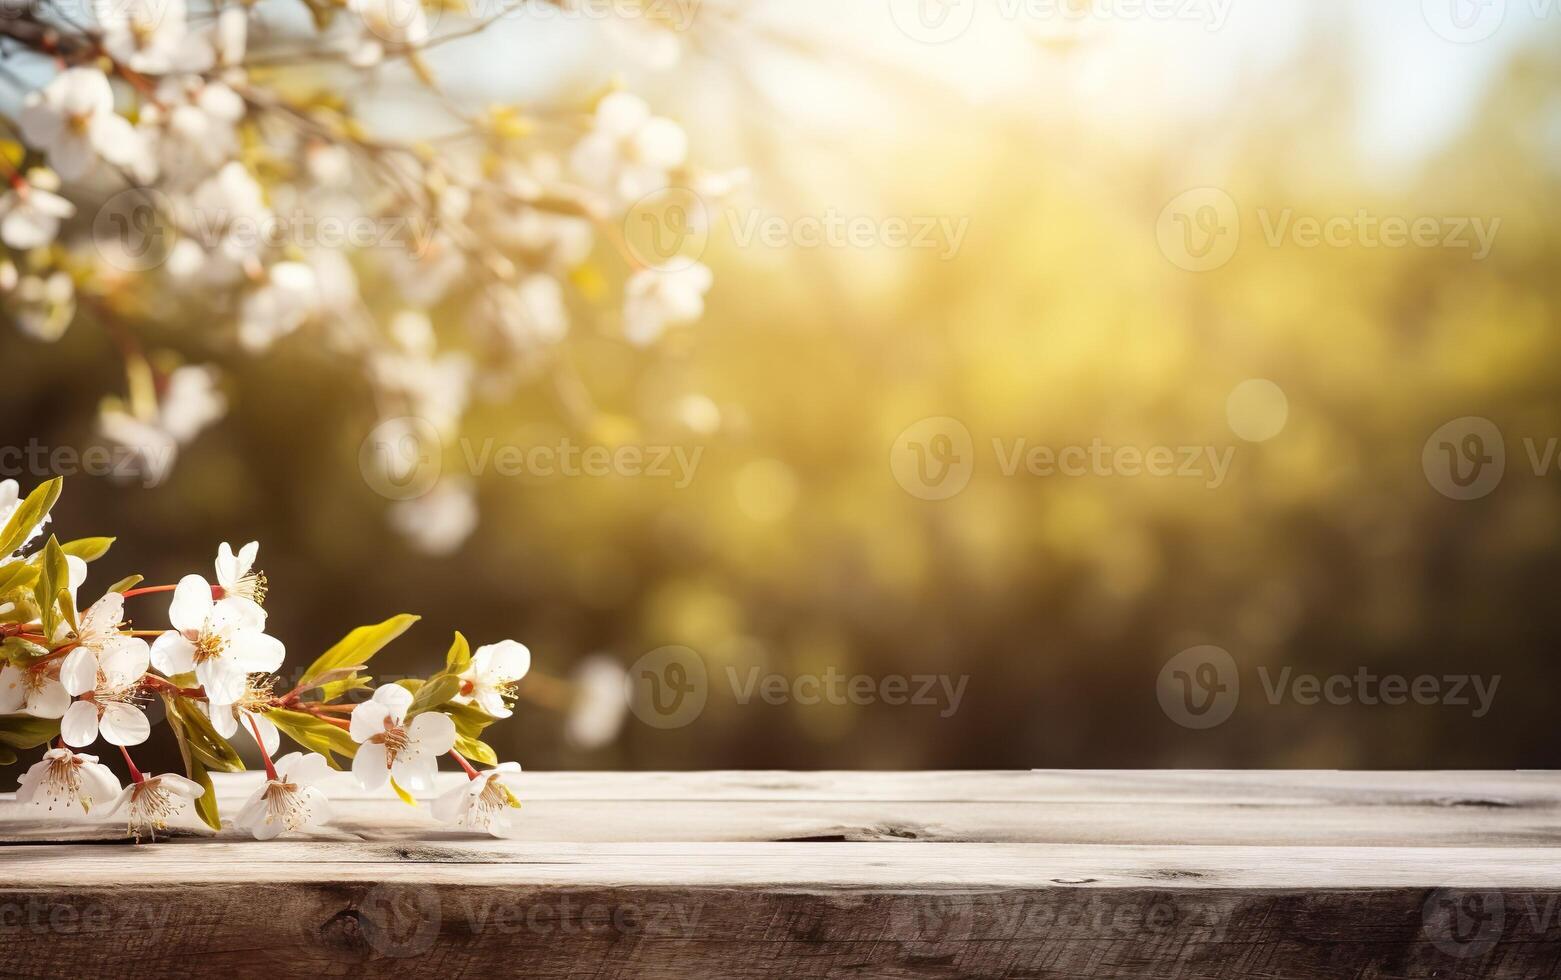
[1044,873]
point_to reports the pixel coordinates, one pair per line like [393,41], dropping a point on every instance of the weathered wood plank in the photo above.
[1045,874]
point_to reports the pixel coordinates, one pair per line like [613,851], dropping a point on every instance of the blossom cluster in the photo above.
[209,163]
[73,677]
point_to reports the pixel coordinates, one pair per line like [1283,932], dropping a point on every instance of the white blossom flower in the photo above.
[436,386]
[73,120]
[45,306]
[289,296]
[31,212]
[290,801]
[481,804]
[531,312]
[220,640]
[491,678]
[389,747]
[151,803]
[106,687]
[31,691]
[65,780]
[601,702]
[227,214]
[147,36]
[398,22]
[658,298]
[440,521]
[247,713]
[629,153]
[189,402]
[239,581]
[193,126]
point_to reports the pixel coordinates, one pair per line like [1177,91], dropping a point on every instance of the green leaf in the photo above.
[27,732]
[460,656]
[356,648]
[332,690]
[314,734]
[439,689]
[29,515]
[7,755]
[52,589]
[17,575]
[469,719]
[127,583]
[87,549]
[406,797]
[476,751]
[206,804]
[214,751]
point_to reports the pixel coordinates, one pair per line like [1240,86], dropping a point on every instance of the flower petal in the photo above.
[50,699]
[395,697]
[415,772]
[79,726]
[433,732]
[79,672]
[191,604]
[303,768]
[98,785]
[223,680]
[103,617]
[368,720]
[124,660]
[254,651]
[13,689]
[450,806]
[173,654]
[123,724]
[187,788]
[270,738]
[369,766]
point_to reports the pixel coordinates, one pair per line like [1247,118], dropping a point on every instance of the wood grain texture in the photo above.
[1023,874]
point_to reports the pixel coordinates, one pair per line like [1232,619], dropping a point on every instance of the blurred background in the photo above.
[1058,289]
